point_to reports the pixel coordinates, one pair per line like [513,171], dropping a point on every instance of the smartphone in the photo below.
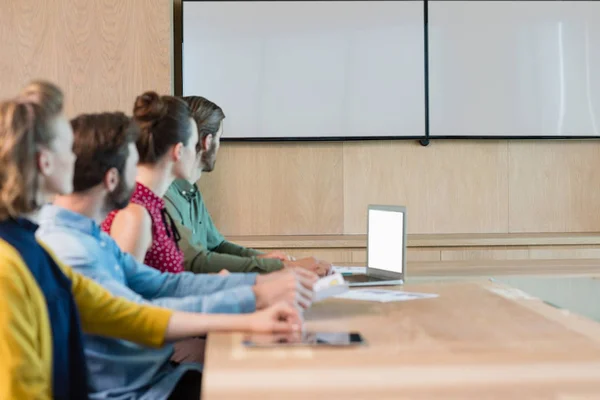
[312,339]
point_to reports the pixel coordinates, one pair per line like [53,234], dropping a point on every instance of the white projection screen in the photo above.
[514,68]
[308,69]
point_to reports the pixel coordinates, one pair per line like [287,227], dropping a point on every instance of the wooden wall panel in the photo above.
[554,186]
[28,43]
[566,252]
[358,256]
[276,189]
[450,186]
[102,53]
[490,253]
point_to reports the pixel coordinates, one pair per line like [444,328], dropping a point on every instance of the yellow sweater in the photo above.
[25,336]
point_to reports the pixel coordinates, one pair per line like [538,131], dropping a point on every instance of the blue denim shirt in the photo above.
[121,369]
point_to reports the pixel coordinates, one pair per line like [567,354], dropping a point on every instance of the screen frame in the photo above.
[178,89]
[424,140]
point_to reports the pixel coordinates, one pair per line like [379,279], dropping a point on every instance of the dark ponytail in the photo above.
[164,121]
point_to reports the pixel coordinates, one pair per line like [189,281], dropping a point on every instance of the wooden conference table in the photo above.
[480,339]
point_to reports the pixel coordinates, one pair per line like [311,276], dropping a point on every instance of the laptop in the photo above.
[386,248]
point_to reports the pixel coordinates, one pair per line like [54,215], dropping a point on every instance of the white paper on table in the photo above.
[329,286]
[383,296]
[349,270]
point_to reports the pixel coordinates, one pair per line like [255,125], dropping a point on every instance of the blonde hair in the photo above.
[24,130]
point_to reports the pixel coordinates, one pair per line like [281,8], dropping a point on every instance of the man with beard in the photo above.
[104,180]
[205,249]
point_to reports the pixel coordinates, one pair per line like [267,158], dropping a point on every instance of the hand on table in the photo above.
[293,286]
[278,318]
[278,255]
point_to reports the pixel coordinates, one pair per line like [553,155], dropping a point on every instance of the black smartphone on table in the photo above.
[311,339]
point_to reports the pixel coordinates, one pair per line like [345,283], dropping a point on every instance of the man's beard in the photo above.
[119,198]
[209,158]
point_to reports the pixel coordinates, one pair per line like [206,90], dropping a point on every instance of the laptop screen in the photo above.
[386,240]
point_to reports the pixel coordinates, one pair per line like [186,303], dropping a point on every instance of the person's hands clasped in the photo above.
[292,286]
[319,267]
[279,318]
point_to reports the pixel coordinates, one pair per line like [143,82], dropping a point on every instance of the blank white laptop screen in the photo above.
[385,240]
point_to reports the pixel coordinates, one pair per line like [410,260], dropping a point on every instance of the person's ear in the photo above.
[177,152]
[207,141]
[44,162]
[111,180]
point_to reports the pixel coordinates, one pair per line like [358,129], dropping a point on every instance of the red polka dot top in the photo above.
[164,254]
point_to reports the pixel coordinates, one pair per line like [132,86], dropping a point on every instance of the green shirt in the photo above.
[203,246]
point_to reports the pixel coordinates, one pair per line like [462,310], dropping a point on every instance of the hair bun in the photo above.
[149,107]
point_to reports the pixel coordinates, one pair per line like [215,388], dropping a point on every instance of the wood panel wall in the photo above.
[464,186]
[102,53]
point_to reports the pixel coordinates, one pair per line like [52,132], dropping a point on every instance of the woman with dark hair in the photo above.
[167,150]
